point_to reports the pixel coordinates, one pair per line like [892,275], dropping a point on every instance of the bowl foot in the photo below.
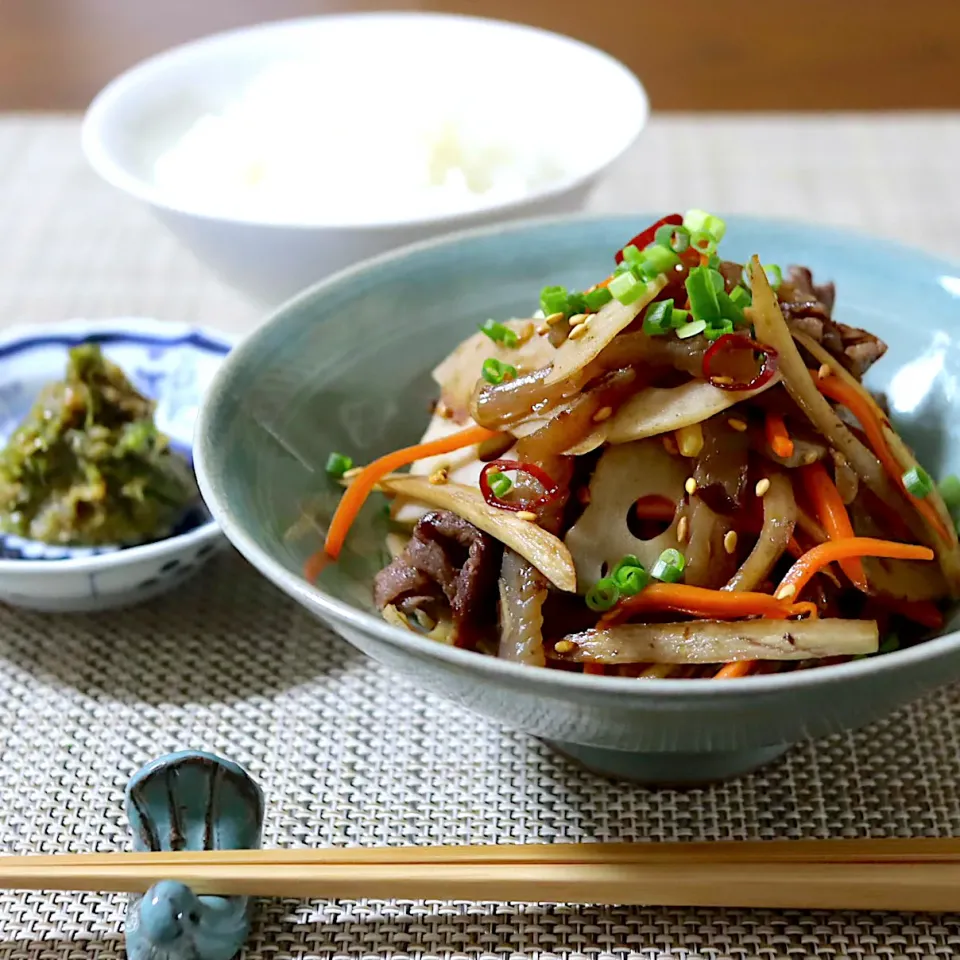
[668,769]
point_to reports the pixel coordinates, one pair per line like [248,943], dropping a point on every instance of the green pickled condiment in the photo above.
[88,467]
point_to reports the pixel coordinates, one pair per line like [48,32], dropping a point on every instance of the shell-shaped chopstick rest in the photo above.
[190,801]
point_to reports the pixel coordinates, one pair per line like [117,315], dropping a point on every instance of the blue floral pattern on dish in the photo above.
[169,363]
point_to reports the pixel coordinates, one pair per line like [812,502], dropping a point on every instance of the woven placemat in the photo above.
[349,753]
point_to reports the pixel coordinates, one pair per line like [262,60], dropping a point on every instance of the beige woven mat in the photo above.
[348,753]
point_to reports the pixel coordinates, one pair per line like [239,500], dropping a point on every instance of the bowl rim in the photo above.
[103,161]
[142,329]
[547,681]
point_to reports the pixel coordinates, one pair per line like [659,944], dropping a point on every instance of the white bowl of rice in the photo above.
[284,152]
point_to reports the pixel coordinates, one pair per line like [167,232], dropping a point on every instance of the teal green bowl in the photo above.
[346,366]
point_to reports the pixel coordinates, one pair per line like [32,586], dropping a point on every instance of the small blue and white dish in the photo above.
[172,364]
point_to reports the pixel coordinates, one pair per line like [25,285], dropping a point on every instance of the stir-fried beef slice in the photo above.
[801,280]
[732,274]
[861,350]
[721,467]
[401,582]
[807,308]
[449,553]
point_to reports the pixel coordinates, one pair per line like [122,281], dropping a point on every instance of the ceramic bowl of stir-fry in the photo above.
[670,493]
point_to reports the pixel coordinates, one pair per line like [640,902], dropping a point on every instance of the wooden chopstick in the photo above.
[931,850]
[915,875]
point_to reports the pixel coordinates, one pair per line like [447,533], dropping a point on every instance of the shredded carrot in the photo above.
[838,390]
[833,551]
[702,602]
[358,491]
[777,436]
[315,564]
[832,513]
[739,668]
[655,507]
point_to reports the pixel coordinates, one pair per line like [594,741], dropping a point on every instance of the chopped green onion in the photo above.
[679,318]
[728,309]
[598,298]
[632,253]
[917,482]
[338,464]
[949,488]
[703,296]
[703,242]
[774,275]
[627,288]
[603,595]
[631,581]
[627,560]
[499,333]
[500,483]
[553,300]
[673,237]
[624,266]
[658,318]
[741,296]
[646,270]
[717,330]
[713,262]
[660,258]
[669,566]
[496,372]
[890,643]
[691,329]
[695,220]
[630,576]
[576,303]
[716,278]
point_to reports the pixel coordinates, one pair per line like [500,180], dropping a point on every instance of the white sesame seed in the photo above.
[730,541]
[682,528]
[564,646]
[690,486]
[824,371]
[553,319]
[352,472]
[737,424]
[578,332]
[762,487]
[439,476]
[577,319]
[525,332]
[787,592]
[604,413]
[526,515]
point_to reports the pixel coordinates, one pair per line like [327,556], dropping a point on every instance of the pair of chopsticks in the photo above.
[911,875]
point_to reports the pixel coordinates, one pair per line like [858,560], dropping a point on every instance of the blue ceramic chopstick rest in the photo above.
[190,801]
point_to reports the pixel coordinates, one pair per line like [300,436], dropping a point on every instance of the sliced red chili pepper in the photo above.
[645,237]
[551,489]
[730,342]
